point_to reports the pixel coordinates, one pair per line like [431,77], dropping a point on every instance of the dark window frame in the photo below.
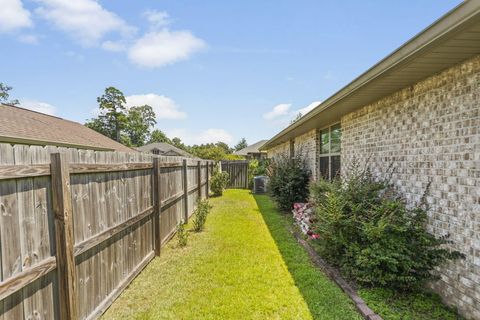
[329,156]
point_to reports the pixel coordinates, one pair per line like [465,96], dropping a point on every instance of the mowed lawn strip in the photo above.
[232,270]
[323,297]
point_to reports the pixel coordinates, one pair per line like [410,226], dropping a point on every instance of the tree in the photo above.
[113,112]
[177,142]
[158,135]
[139,121]
[241,144]
[5,95]
[99,125]
[298,117]
[224,146]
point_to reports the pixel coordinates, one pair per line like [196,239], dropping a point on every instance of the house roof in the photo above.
[23,126]
[453,38]
[165,149]
[253,148]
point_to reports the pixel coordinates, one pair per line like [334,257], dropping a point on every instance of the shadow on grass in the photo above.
[324,299]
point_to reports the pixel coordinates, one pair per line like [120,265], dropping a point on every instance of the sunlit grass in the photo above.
[233,270]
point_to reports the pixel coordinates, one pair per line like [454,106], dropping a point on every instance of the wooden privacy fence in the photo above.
[76,226]
[238,172]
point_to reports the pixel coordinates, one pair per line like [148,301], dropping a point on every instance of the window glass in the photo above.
[324,167]
[335,139]
[335,167]
[324,141]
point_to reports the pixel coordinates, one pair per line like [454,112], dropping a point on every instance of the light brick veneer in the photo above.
[430,132]
[307,145]
[279,150]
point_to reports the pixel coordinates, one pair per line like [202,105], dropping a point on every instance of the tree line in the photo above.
[135,126]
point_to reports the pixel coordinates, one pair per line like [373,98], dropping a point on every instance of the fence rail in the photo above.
[77,226]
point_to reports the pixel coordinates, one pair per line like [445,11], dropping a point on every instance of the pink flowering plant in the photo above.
[304,215]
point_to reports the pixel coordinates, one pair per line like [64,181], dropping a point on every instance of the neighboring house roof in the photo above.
[23,126]
[447,42]
[164,149]
[253,148]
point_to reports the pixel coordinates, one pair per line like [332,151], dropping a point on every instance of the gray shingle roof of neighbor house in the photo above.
[23,126]
[453,38]
[253,148]
[165,149]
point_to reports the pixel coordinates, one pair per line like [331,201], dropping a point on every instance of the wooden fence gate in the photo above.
[238,173]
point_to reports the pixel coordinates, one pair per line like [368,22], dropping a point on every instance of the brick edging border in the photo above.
[334,275]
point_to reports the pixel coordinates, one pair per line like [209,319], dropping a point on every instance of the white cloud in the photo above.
[164,107]
[212,135]
[157,19]
[38,106]
[14,16]
[115,46]
[156,49]
[278,111]
[308,108]
[281,115]
[86,21]
[28,38]
[74,55]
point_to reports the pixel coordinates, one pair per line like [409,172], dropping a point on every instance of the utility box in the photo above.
[260,184]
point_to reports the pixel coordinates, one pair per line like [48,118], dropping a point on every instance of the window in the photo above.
[329,149]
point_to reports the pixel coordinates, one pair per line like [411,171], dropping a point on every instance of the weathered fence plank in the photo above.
[185,190]
[104,214]
[62,208]
[238,173]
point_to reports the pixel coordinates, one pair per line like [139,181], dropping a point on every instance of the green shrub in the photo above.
[219,182]
[182,234]
[289,179]
[256,168]
[368,231]
[201,213]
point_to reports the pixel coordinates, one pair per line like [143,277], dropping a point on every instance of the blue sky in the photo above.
[213,70]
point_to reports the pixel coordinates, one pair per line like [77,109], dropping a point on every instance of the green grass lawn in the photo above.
[245,265]
[411,306]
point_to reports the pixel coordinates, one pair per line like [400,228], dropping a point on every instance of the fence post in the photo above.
[157,244]
[208,181]
[185,189]
[62,208]
[199,180]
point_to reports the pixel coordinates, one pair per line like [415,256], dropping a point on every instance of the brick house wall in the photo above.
[307,144]
[279,150]
[429,132]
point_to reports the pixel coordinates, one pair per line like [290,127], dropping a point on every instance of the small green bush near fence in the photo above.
[182,235]
[201,213]
[219,182]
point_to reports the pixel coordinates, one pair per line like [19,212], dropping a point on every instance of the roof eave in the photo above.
[434,33]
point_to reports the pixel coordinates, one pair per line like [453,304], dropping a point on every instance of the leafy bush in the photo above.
[256,168]
[182,234]
[367,230]
[219,182]
[201,213]
[289,179]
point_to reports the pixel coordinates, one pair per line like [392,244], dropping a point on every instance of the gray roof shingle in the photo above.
[19,125]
